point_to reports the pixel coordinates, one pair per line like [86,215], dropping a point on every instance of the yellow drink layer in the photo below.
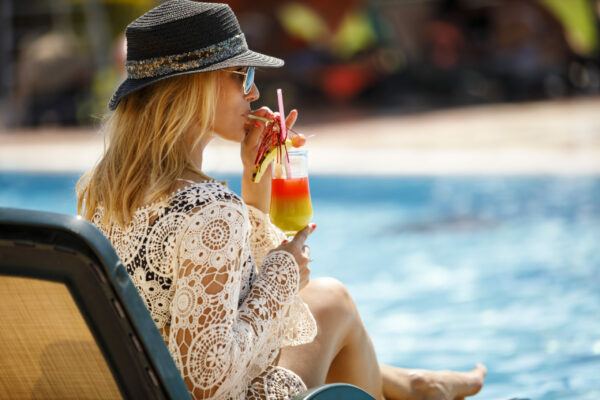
[291,208]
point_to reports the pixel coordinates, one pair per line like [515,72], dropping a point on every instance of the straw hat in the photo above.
[183,37]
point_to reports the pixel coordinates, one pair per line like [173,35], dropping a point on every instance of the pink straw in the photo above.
[281,115]
[288,169]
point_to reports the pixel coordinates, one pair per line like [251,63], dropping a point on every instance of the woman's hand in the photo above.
[251,142]
[258,194]
[257,131]
[297,248]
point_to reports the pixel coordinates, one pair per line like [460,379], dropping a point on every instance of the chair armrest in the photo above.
[335,391]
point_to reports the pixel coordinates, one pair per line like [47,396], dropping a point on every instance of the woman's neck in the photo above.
[196,152]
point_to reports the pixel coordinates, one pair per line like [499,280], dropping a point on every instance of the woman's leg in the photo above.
[343,352]
[412,384]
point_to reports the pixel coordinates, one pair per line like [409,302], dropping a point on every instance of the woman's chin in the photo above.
[240,138]
[233,137]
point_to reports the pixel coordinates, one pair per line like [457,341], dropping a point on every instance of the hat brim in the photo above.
[248,58]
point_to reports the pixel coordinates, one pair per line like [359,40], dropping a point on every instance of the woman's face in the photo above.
[233,106]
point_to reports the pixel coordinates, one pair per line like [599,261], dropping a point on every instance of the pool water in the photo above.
[448,272]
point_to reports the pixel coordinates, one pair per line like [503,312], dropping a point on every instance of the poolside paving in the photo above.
[552,137]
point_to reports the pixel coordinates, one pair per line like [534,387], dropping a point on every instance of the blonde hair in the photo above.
[146,149]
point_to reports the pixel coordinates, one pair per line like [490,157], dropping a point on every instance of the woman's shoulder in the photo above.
[196,200]
[196,196]
[206,204]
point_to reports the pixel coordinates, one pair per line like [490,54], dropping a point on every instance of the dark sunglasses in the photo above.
[248,78]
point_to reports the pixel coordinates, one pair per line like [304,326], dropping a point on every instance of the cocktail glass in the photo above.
[291,208]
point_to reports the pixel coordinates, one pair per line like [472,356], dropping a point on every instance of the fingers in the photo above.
[258,128]
[303,234]
[264,112]
[300,251]
[291,119]
[306,251]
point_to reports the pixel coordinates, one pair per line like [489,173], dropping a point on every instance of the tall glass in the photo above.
[291,208]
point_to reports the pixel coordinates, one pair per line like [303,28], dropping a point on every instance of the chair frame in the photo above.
[72,251]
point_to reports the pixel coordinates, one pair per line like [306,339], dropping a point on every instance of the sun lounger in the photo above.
[72,324]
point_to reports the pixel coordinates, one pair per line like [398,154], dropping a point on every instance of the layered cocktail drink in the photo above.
[291,208]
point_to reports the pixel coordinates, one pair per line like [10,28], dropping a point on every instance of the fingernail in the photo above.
[313,226]
[284,241]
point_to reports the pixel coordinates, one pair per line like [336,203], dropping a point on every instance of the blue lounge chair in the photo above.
[72,324]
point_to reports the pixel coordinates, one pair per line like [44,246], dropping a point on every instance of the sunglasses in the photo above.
[248,78]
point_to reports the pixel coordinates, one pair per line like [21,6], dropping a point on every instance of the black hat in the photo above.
[182,37]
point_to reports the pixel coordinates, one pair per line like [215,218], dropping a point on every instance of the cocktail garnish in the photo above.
[272,147]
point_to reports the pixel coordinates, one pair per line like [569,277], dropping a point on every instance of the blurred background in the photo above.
[455,163]
[60,60]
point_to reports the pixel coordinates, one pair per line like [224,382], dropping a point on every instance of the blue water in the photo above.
[448,272]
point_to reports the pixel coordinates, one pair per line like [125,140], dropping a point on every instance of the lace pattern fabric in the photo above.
[224,320]
[265,236]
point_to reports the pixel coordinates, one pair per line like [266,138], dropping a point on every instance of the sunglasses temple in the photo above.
[249,80]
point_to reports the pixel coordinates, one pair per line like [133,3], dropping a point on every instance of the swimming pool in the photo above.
[448,272]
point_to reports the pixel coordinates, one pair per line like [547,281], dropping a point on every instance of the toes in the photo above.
[481,370]
[447,385]
[471,383]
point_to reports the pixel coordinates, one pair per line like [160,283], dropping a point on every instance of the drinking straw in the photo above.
[288,169]
[281,115]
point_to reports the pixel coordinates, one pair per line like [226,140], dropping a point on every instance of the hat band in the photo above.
[159,66]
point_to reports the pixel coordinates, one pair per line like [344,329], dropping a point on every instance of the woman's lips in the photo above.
[247,125]
[248,122]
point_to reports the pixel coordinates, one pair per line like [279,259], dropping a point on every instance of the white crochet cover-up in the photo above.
[194,261]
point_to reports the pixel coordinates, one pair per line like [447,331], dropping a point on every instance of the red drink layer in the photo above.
[291,209]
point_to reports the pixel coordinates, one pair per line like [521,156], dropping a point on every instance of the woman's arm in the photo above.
[257,194]
[264,236]
[219,348]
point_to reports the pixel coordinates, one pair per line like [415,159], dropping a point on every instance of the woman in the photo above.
[231,297]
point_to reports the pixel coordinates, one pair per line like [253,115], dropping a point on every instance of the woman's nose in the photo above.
[253,94]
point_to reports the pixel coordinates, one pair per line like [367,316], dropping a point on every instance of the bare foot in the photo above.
[417,384]
[447,385]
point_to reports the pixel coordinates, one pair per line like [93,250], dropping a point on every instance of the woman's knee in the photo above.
[329,299]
